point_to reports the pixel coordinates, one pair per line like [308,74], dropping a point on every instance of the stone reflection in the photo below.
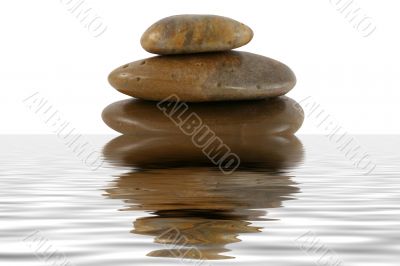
[195,210]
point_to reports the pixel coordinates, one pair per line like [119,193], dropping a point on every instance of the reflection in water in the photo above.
[267,152]
[196,209]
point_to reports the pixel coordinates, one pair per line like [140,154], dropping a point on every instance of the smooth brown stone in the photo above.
[223,76]
[184,34]
[273,153]
[276,116]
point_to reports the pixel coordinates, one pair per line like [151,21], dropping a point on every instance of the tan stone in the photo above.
[204,77]
[194,34]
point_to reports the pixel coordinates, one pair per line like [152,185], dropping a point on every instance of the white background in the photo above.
[45,49]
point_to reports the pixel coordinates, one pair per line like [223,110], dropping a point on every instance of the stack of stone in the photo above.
[199,103]
[227,92]
[203,68]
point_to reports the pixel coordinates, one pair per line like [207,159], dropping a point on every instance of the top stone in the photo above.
[183,34]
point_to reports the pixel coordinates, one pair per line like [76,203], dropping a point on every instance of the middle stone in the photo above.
[222,76]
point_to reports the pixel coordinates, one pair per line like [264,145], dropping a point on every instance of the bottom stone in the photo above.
[276,116]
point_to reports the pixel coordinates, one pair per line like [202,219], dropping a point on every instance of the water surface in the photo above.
[292,202]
